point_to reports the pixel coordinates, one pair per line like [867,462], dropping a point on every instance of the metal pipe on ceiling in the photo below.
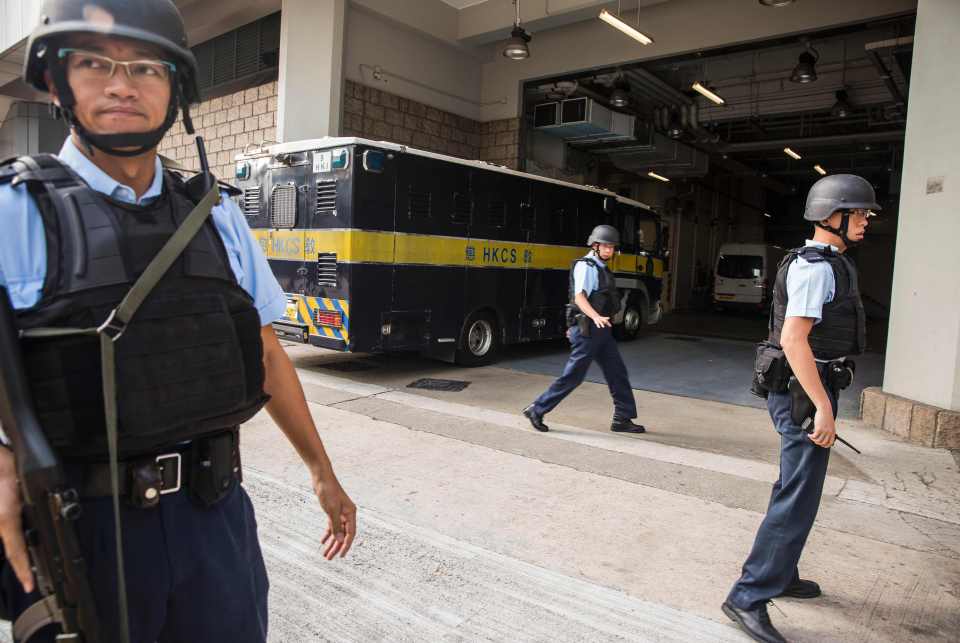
[838,139]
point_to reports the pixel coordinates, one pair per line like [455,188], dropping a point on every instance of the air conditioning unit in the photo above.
[583,120]
[546,114]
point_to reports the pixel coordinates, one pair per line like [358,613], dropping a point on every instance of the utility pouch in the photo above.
[215,462]
[840,374]
[771,372]
[801,407]
[584,323]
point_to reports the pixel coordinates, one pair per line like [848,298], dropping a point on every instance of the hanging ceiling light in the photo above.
[620,97]
[820,170]
[516,47]
[842,108]
[789,152]
[675,130]
[617,23]
[654,175]
[707,93]
[806,69]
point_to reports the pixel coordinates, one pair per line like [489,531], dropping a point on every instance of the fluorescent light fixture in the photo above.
[768,215]
[656,176]
[820,170]
[791,153]
[617,23]
[703,91]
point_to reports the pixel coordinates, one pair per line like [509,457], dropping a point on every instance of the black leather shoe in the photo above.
[802,589]
[626,426]
[756,623]
[535,420]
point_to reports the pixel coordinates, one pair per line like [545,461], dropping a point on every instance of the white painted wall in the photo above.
[416,66]
[923,345]
[17,20]
[677,27]
[310,86]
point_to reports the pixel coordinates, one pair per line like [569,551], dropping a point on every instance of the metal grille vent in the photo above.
[419,205]
[497,214]
[462,208]
[251,202]
[326,197]
[283,206]
[327,269]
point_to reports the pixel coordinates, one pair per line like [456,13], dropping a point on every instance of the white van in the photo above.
[744,274]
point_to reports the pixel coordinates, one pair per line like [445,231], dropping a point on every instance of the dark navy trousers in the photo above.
[193,573]
[599,346]
[772,564]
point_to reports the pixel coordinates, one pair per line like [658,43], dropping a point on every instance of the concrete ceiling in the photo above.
[462,4]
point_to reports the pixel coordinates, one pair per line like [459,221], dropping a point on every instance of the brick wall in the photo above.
[500,142]
[228,124]
[372,113]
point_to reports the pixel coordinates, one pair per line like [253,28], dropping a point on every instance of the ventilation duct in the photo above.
[583,120]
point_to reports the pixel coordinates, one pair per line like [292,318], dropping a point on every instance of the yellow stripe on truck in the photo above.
[366,246]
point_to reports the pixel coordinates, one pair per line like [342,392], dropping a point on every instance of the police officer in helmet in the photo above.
[818,321]
[191,347]
[594,300]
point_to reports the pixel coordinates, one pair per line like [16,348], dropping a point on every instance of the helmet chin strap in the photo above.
[841,231]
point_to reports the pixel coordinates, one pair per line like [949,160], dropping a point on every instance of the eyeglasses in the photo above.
[91,67]
[862,213]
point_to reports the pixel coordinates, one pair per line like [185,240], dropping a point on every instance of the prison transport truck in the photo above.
[381,247]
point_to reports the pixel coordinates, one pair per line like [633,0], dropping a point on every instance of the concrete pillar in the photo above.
[923,346]
[311,68]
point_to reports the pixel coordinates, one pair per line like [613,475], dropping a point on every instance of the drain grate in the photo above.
[684,338]
[349,366]
[431,384]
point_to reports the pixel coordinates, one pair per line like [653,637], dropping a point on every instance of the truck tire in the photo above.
[479,341]
[634,320]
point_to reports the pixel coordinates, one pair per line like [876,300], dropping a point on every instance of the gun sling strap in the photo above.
[109,332]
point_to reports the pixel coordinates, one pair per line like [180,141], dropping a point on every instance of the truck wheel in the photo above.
[479,342]
[633,322]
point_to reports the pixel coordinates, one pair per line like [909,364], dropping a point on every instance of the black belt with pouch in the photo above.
[584,323]
[838,375]
[205,468]
[771,372]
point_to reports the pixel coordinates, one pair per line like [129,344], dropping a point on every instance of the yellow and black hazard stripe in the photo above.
[369,246]
[304,311]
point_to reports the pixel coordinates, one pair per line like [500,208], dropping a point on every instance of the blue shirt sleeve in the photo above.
[584,278]
[809,287]
[248,262]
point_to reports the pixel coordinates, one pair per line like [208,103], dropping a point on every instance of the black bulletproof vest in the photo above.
[190,362]
[605,299]
[842,331]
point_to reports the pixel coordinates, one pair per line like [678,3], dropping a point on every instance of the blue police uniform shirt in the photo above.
[23,251]
[585,279]
[810,286]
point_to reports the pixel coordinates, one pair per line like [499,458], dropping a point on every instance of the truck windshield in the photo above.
[739,266]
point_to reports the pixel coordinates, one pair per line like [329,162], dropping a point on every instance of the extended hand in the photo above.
[601,322]
[342,515]
[11,528]
[824,429]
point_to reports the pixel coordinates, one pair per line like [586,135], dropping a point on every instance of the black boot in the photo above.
[756,623]
[621,425]
[536,420]
[802,589]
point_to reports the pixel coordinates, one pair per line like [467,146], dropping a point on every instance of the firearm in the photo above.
[802,410]
[51,506]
